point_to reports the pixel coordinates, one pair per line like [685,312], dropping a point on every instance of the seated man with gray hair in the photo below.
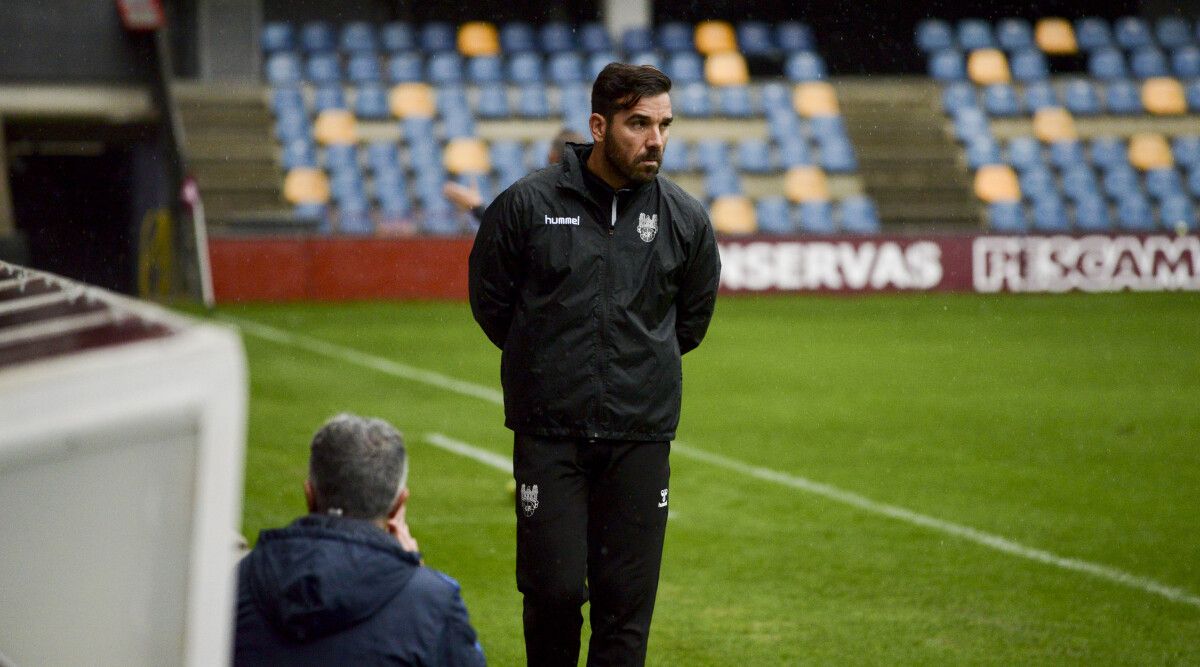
[345,585]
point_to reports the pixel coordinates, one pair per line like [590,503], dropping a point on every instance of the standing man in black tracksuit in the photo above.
[593,276]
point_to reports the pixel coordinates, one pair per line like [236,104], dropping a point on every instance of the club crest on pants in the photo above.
[529,501]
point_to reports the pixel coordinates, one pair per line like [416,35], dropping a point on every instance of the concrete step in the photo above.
[263,149]
[221,202]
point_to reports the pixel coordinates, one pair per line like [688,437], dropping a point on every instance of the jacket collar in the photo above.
[574,165]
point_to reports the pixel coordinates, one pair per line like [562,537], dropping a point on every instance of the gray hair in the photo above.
[357,467]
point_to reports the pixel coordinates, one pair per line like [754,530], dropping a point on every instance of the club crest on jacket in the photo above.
[529,501]
[647,226]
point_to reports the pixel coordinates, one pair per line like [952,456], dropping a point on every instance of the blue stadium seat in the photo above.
[804,66]
[754,156]
[734,101]
[837,157]
[450,99]
[283,69]
[1025,153]
[1037,182]
[345,181]
[816,217]
[722,181]
[1107,64]
[1007,218]
[754,38]
[934,35]
[637,39]
[439,217]
[1178,212]
[341,158]
[418,132]
[1121,181]
[1040,95]
[859,215]
[1050,215]
[1093,33]
[393,201]
[317,37]
[299,153]
[685,67]
[1193,183]
[774,216]
[1172,32]
[532,101]
[1109,153]
[947,65]
[371,102]
[794,152]
[364,68]
[566,68]
[323,68]
[314,212]
[1164,183]
[517,37]
[576,100]
[784,123]
[1185,62]
[354,217]
[1000,99]
[485,69]
[593,37]
[981,151]
[537,154]
[382,155]
[557,37]
[1132,32]
[794,36]
[974,34]
[1123,98]
[1079,182]
[358,37]
[444,67]
[1186,150]
[458,124]
[598,61]
[674,36]
[712,154]
[438,36]
[1148,61]
[1014,34]
[287,99]
[828,128]
[958,95]
[277,36]
[525,68]
[405,68]
[1066,153]
[1029,65]
[507,153]
[291,125]
[646,58]
[397,37]
[970,123]
[1081,98]
[1134,213]
[1091,215]
[1192,92]
[675,158]
[776,96]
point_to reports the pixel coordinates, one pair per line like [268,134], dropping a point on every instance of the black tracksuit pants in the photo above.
[591,516]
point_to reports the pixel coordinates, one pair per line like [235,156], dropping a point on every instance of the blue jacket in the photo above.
[337,591]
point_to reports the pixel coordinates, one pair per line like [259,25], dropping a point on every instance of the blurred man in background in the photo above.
[468,198]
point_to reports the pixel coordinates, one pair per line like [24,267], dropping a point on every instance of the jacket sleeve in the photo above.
[458,646]
[495,268]
[697,296]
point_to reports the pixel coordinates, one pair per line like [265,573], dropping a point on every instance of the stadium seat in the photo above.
[1185,62]
[981,151]
[754,156]
[715,37]
[1080,98]
[1134,213]
[318,213]
[341,158]
[1150,150]
[783,123]
[335,126]
[726,69]
[557,37]
[1093,33]
[1120,181]
[1192,93]
[804,66]
[1054,124]
[383,155]
[815,99]
[291,125]
[298,153]
[439,217]
[405,68]
[1164,183]
[354,218]
[1148,62]
[805,184]
[712,154]
[485,69]
[1172,32]
[794,152]
[794,36]
[1193,183]
[1091,215]
[323,68]
[673,37]
[1055,36]
[859,215]
[1163,96]
[444,68]
[408,100]
[685,67]
[774,216]
[1000,99]
[1122,97]
[283,69]
[1109,152]
[317,37]
[593,37]
[466,156]
[1050,215]
[958,95]
[638,39]
[438,36]
[1178,214]
[358,37]
[525,68]
[970,123]
[1029,65]
[306,185]
[693,100]
[1107,64]
[934,35]
[364,68]
[997,183]
[816,217]
[566,68]
[1040,95]
[287,100]
[532,101]
[277,36]
[734,102]
[458,124]
[451,99]
[826,128]
[1079,182]
[754,38]
[1007,218]
[947,65]
[721,182]
[972,34]
[507,153]
[576,102]
[1066,152]
[397,37]
[733,214]
[1037,182]
[371,103]
[537,154]
[1186,151]
[598,61]
[1014,34]
[1132,32]
[676,157]
[517,37]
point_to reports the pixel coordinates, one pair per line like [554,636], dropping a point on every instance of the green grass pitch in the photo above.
[1069,424]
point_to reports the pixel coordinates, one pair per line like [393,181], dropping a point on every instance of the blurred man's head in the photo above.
[559,144]
[631,114]
[357,468]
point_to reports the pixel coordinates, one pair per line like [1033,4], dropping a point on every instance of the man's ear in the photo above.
[598,126]
[310,496]
[400,500]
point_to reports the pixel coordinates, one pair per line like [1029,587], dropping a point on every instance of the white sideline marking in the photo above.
[989,540]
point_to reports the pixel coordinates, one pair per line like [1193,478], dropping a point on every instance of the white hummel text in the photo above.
[563,221]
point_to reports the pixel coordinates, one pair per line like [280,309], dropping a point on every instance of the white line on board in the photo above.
[989,540]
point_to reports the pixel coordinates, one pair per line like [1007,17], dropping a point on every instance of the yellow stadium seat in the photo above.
[335,126]
[1150,150]
[815,98]
[715,37]
[478,38]
[988,66]
[733,214]
[466,156]
[1052,124]
[306,185]
[1163,96]
[1056,37]
[726,69]
[412,100]
[801,184]
[997,183]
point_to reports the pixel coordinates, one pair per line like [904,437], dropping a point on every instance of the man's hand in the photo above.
[461,196]
[398,527]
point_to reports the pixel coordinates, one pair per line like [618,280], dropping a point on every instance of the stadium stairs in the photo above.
[908,163]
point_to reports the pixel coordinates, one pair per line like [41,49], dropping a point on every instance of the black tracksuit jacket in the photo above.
[593,302]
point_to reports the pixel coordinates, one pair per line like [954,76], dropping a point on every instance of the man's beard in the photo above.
[633,171]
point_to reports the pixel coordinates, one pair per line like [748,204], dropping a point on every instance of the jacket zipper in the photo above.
[604,288]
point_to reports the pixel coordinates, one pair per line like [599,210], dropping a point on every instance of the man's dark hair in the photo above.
[620,86]
[357,466]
